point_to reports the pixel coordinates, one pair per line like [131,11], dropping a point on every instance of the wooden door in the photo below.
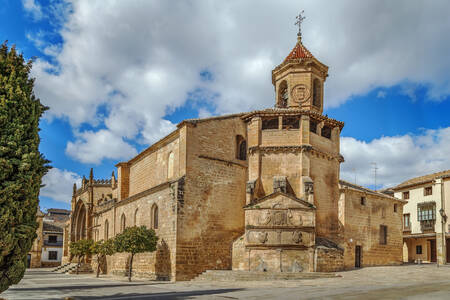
[448,250]
[358,253]
[433,250]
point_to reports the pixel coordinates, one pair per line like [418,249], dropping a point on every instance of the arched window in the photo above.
[122,222]
[106,230]
[170,165]
[317,91]
[154,216]
[283,94]
[241,148]
[135,216]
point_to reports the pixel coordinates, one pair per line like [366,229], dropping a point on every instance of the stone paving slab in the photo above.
[396,282]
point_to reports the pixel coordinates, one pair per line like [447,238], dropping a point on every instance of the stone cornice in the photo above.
[295,149]
[227,162]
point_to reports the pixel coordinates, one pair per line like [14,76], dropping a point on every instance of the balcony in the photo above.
[51,243]
[407,227]
[427,225]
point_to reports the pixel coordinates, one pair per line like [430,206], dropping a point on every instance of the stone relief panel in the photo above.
[270,237]
[279,218]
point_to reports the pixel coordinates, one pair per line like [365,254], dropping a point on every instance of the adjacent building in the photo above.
[257,191]
[425,228]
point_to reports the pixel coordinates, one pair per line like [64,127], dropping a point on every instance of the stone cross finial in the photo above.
[299,22]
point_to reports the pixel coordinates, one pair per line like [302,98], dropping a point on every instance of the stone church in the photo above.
[257,191]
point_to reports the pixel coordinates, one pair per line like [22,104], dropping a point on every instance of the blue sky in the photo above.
[118,77]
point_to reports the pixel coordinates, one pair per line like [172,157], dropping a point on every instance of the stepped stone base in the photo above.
[229,275]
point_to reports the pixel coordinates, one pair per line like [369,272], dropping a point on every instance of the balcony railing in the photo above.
[427,225]
[49,243]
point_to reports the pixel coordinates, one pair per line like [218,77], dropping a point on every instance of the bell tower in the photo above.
[299,79]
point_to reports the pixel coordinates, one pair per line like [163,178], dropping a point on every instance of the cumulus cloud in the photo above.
[33,8]
[398,158]
[58,184]
[139,59]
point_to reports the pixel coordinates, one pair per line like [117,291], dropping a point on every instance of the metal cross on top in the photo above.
[300,19]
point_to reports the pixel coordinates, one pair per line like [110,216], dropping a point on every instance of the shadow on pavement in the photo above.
[164,295]
[76,287]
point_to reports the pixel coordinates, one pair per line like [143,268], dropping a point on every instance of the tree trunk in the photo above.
[78,264]
[130,269]
[98,265]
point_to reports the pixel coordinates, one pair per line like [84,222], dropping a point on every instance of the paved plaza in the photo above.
[401,282]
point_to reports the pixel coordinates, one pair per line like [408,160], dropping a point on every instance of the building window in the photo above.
[52,238]
[170,165]
[52,255]
[106,229]
[406,195]
[326,132]
[383,234]
[427,191]
[135,216]
[313,126]
[155,216]
[271,123]
[406,221]
[395,207]
[317,90]
[122,223]
[426,212]
[291,123]
[419,249]
[283,94]
[241,148]
[363,200]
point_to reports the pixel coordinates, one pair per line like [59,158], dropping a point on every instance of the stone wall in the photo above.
[329,259]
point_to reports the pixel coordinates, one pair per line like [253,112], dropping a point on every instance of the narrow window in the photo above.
[428,191]
[326,132]
[271,123]
[383,235]
[170,165]
[241,148]
[313,126]
[283,95]
[122,222]
[363,200]
[419,249]
[52,255]
[135,217]
[154,216]
[406,221]
[106,229]
[317,91]
[395,207]
[406,195]
[291,123]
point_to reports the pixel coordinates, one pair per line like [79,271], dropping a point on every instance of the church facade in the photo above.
[257,191]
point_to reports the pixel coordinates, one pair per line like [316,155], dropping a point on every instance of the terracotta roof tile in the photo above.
[422,179]
[299,51]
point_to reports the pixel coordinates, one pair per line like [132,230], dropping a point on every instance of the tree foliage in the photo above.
[135,240]
[22,166]
[101,249]
[80,249]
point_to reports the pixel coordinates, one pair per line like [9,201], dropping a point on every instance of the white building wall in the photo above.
[45,251]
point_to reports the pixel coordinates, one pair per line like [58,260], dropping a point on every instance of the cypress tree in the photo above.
[22,166]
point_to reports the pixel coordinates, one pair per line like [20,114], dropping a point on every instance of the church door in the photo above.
[358,256]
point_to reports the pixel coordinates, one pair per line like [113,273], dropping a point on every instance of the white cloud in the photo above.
[398,158]
[33,8]
[140,59]
[59,183]
[92,147]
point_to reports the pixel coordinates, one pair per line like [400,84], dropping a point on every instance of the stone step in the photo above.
[229,275]
[61,267]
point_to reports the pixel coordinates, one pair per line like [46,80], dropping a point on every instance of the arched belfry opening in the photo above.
[241,148]
[317,93]
[283,94]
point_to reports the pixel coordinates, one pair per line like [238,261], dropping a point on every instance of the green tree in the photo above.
[80,249]
[101,249]
[22,166]
[135,240]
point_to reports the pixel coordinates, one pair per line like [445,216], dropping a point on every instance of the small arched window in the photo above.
[283,94]
[154,216]
[135,216]
[122,222]
[106,230]
[317,91]
[170,165]
[241,148]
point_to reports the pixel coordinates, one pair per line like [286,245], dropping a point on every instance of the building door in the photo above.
[358,256]
[448,250]
[28,260]
[433,250]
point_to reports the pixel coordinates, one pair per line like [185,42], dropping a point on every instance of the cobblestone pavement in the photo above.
[399,282]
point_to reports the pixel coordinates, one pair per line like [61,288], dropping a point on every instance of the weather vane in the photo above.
[300,19]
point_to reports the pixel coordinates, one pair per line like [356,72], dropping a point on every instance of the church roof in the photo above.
[422,179]
[299,51]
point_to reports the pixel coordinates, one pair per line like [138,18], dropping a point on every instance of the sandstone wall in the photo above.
[329,259]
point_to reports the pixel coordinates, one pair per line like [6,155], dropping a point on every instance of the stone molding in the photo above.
[227,162]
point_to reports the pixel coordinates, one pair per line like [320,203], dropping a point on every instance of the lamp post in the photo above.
[443,221]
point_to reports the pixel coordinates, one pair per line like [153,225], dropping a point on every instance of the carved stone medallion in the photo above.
[297,237]
[279,218]
[300,93]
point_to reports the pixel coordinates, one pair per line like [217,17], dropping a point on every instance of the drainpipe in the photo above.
[443,221]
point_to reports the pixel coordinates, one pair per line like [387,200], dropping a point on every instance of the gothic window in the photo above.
[106,229]
[326,132]
[154,216]
[122,222]
[313,126]
[170,165]
[135,217]
[283,94]
[271,123]
[317,90]
[241,148]
[291,122]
